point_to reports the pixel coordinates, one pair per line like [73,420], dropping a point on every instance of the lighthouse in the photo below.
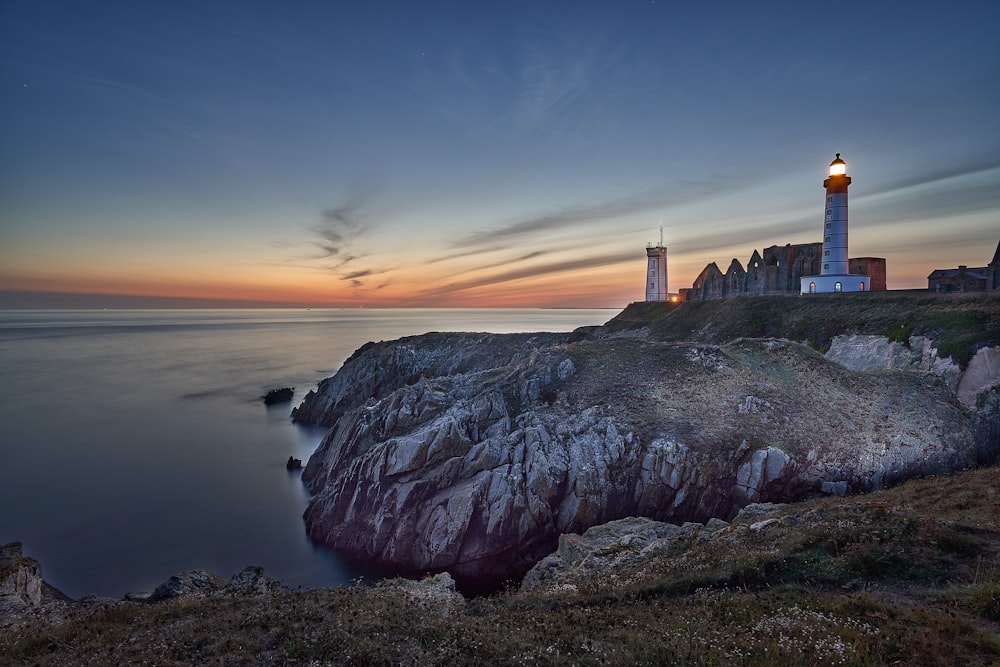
[835,275]
[656,270]
[835,220]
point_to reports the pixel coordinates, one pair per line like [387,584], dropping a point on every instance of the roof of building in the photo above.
[978,272]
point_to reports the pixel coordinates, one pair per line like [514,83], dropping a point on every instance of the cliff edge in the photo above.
[472,453]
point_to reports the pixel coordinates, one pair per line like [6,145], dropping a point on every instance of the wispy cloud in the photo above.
[336,247]
[939,194]
[337,231]
[935,172]
[533,271]
[643,202]
[560,73]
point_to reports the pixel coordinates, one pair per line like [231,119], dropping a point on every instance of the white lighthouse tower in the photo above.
[835,276]
[656,270]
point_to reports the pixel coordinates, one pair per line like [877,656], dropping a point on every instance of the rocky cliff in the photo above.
[472,453]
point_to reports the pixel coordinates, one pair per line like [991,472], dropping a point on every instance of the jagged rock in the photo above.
[282,395]
[193,583]
[21,581]
[377,369]
[251,580]
[474,452]
[867,353]
[603,549]
[981,375]
[293,463]
[764,466]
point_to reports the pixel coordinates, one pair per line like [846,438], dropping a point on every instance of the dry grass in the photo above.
[910,575]
[958,323]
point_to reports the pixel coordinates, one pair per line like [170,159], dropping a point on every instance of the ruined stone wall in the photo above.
[776,271]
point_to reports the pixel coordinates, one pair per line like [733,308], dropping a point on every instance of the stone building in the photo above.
[777,271]
[967,279]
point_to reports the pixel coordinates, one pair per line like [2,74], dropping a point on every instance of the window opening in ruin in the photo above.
[838,287]
[812,288]
[862,286]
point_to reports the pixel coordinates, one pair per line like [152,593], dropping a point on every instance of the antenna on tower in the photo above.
[661,235]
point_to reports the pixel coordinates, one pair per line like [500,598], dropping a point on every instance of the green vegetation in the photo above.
[910,575]
[957,324]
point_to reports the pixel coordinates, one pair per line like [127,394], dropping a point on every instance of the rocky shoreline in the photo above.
[473,453]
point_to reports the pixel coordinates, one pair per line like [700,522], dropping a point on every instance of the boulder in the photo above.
[436,593]
[193,583]
[293,463]
[282,395]
[251,580]
[602,550]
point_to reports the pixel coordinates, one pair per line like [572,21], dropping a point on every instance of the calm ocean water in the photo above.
[134,445]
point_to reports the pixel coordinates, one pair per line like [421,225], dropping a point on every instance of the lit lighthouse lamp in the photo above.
[834,275]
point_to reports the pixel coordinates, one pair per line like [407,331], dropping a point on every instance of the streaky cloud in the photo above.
[937,174]
[354,275]
[528,272]
[659,199]
[504,262]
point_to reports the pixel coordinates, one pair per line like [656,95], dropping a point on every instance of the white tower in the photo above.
[835,225]
[656,270]
[835,275]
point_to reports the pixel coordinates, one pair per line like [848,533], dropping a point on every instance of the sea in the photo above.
[134,444]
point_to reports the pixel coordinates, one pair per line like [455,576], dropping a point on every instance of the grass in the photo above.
[891,577]
[957,324]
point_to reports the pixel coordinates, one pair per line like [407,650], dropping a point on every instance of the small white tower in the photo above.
[656,271]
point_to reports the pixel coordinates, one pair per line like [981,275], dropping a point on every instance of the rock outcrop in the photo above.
[21,581]
[604,549]
[472,453]
[867,353]
[282,395]
[193,583]
[982,374]
[24,594]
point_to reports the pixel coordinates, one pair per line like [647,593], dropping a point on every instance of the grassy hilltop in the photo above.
[958,324]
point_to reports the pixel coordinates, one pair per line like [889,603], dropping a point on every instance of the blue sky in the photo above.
[469,153]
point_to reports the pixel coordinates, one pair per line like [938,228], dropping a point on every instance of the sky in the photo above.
[474,154]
